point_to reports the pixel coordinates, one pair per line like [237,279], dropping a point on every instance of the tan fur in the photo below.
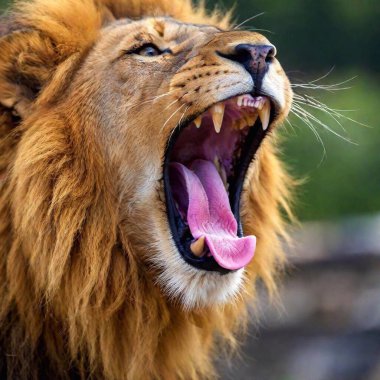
[82,218]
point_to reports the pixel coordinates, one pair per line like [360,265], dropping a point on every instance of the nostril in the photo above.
[240,55]
[271,54]
[255,58]
[254,54]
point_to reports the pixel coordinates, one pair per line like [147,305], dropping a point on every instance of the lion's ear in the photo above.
[27,61]
[38,36]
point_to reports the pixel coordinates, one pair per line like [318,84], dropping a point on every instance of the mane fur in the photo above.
[76,301]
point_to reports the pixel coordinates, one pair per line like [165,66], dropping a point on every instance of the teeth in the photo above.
[264,114]
[221,170]
[198,121]
[245,101]
[216,163]
[242,124]
[223,175]
[237,124]
[260,107]
[252,119]
[198,246]
[217,113]
[258,103]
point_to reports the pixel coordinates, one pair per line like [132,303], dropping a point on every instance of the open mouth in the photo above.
[206,162]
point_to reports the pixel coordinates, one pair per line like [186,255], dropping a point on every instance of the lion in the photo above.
[141,193]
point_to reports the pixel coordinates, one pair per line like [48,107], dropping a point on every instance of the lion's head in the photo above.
[139,177]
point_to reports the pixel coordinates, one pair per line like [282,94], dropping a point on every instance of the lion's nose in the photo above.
[255,58]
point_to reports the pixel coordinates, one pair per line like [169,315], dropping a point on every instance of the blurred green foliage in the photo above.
[345,179]
[311,38]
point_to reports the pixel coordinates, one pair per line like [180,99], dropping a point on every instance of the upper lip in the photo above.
[267,112]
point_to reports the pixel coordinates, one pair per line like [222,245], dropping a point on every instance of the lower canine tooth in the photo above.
[217,113]
[252,119]
[223,176]
[198,121]
[264,114]
[198,246]
[220,168]
[240,124]
[216,163]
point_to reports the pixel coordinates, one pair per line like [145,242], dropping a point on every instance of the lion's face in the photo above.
[183,110]
[138,166]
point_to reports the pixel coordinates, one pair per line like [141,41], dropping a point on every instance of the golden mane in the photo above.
[75,298]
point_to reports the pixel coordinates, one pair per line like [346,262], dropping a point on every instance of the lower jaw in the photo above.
[191,288]
[180,231]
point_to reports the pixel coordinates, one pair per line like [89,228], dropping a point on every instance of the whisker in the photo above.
[247,20]
[328,87]
[323,108]
[312,128]
[315,80]
[324,76]
[304,118]
[180,121]
[315,103]
[152,99]
[285,128]
[307,86]
[162,95]
[304,105]
[321,123]
[257,30]
[173,102]
[291,126]
[171,116]
[183,114]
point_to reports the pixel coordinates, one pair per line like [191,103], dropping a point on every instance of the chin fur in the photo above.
[192,287]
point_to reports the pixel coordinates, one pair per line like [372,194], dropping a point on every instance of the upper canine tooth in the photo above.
[197,247]
[240,100]
[264,114]
[217,113]
[198,121]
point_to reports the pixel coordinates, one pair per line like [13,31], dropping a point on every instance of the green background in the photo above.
[312,37]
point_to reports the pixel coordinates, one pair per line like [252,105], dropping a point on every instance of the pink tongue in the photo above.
[209,213]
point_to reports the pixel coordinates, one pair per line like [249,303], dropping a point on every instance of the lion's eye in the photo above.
[148,50]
